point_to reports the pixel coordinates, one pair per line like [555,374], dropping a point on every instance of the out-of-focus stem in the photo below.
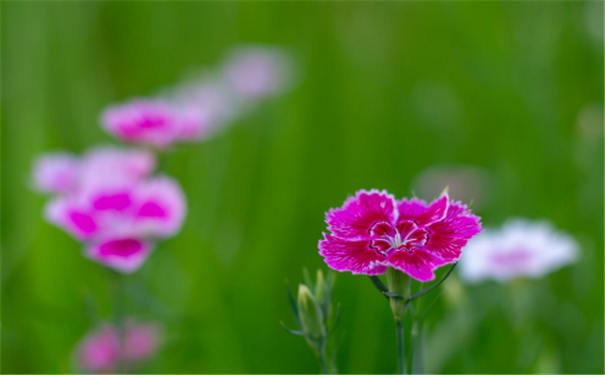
[415,347]
[119,309]
[400,348]
[322,357]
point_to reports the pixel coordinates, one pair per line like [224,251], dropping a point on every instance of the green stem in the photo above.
[415,347]
[400,348]
[322,356]
[119,309]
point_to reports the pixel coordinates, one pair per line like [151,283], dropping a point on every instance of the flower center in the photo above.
[405,236]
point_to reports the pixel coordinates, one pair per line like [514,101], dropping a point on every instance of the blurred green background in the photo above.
[386,90]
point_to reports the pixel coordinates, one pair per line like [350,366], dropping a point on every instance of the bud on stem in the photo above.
[311,316]
[400,284]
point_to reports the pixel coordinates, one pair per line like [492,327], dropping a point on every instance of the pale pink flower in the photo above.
[256,72]
[113,163]
[520,248]
[141,341]
[208,99]
[99,351]
[56,173]
[63,173]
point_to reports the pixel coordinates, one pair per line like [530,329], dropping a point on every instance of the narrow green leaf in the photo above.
[293,304]
[297,333]
[379,285]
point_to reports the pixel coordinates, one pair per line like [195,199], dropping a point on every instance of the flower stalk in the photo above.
[400,299]
[399,285]
[119,292]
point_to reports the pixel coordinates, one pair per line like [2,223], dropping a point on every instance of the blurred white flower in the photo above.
[519,248]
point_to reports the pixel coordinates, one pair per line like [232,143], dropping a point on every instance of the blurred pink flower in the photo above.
[142,341]
[99,351]
[255,72]
[56,173]
[373,231]
[119,217]
[112,163]
[109,201]
[65,174]
[155,122]
[519,248]
[210,99]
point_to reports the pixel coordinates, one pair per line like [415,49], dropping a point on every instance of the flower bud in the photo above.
[321,289]
[311,315]
[398,283]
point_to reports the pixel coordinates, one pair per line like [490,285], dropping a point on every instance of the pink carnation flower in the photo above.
[118,217]
[373,231]
[99,351]
[520,248]
[155,122]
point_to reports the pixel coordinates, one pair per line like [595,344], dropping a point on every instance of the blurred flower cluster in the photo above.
[110,199]
[195,109]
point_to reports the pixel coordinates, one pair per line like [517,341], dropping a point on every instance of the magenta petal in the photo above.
[410,209]
[152,209]
[435,212]
[418,264]
[116,201]
[354,256]
[83,223]
[356,218]
[77,221]
[160,208]
[450,235]
[123,254]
